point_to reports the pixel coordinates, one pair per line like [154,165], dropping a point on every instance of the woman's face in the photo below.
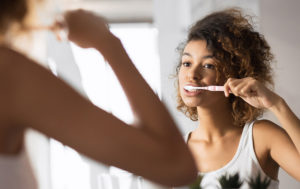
[198,68]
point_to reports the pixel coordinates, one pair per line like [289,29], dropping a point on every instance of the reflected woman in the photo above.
[223,49]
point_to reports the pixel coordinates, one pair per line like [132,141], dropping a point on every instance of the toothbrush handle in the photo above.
[217,88]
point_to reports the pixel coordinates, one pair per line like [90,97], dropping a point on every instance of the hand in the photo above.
[87,29]
[251,91]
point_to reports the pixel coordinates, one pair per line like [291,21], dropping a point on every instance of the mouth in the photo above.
[192,92]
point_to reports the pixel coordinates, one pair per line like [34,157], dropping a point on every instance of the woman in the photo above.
[32,97]
[223,49]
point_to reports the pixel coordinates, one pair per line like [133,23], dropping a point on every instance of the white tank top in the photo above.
[16,172]
[244,162]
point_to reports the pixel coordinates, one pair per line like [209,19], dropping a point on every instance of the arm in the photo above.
[138,92]
[283,143]
[285,148]
[153,149]
[288,120]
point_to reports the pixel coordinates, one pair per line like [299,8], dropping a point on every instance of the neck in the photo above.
[215,123]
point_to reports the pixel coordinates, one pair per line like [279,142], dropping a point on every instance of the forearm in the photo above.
[148,109]
[47,104]
[289,121]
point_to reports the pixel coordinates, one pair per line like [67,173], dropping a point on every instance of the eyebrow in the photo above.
[203,57]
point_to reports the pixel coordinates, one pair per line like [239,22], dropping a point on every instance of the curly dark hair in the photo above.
[16,14]
[12,11]
[239,52]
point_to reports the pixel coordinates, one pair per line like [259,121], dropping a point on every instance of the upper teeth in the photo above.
[190,88]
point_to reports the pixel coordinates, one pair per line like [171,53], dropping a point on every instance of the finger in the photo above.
[251,86]
[67,16]
[68,23]
[233,83]
[251,89]
[241,88]
[227,87]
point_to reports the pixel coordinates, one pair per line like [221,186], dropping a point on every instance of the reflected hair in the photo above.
[16,15]
[239,52]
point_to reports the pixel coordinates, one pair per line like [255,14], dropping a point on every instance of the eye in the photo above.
[186,64]
[209,66]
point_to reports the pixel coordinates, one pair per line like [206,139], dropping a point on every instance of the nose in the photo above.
[194,74]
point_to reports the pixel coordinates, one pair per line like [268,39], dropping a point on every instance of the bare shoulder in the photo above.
[11,135]
[267,127]
[6,56]
[267,132]
[13,68]
[8,53]
[9,56]
[14,65]
[10,60]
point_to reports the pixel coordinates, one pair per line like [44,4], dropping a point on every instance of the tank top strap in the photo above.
[187,136]
[246,137]
[251,145]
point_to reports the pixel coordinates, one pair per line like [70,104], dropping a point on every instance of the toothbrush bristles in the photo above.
[210,88]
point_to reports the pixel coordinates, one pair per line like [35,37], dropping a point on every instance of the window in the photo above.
[69,170]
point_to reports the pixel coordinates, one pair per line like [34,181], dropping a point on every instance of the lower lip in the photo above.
[192,93]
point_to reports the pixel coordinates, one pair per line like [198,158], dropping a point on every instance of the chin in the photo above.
[192,103]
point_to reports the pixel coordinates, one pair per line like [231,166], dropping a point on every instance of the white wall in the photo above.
[281,26]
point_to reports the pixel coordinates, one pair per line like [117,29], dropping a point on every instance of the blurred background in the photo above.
[150,31]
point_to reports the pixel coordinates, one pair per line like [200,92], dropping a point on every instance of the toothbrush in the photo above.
[209,88]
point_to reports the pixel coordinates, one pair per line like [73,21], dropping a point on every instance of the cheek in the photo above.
[222,80]
[180,78]
[180,83]
[210,79]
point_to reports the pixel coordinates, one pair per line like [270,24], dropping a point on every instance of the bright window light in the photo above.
[69,171]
